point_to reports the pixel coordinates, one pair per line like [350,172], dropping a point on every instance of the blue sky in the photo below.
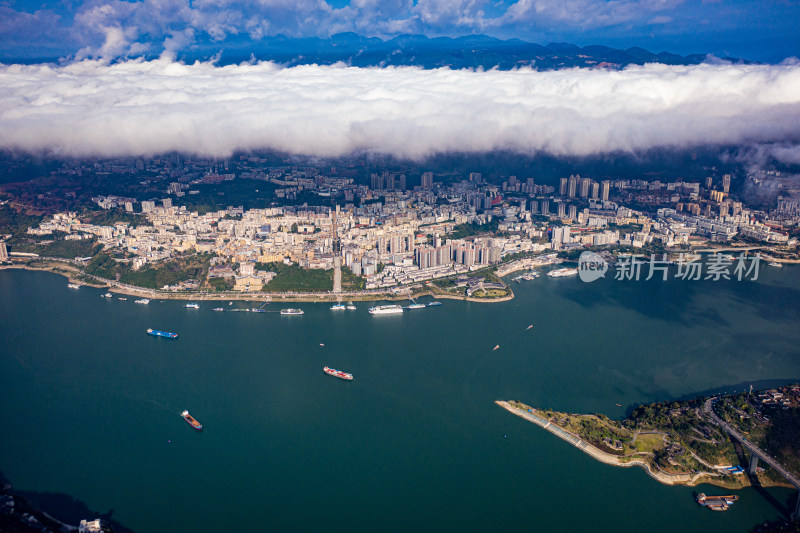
[764,30]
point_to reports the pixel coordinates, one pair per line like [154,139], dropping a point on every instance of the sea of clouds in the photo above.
[139,108]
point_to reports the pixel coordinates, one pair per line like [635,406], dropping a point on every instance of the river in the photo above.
[91,405]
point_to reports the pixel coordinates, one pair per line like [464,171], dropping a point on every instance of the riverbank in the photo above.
[643,460]
[74,275]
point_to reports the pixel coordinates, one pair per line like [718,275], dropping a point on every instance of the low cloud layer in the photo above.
[133,108]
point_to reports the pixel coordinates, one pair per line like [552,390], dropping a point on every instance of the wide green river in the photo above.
[91,404]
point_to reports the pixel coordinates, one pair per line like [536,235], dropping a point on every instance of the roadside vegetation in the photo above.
[292,278]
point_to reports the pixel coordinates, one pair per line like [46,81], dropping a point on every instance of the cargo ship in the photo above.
[159,333]
[561,272]
[192,420]
[716,503]
[291,311]
[385,310]
[338,373]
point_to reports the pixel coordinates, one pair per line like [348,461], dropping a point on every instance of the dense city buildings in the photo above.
[397,230]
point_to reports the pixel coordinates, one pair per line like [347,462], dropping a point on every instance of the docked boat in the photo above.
[338,373]
[717,503]
[159,333]
[385,310]
[144,301]
[434,303]
[108,295]
[528,276]
[192,306]
[122,299]
[351,306]
[416,306]
[338,307]
[192,420]
[291,311]
[73,286]
[218,309]
[775,264]
[561,272]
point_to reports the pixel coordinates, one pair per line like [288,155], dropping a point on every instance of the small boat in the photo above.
[775,264]
[159,333]
[218,309]
[529,327]
[108,295]
[496,348]
[230,303]
[73,286]
[192,306]
[144,301]
[192,420]
[434,303]
[322,344]
[338,307]
[291,311]
[618,404]
[122,299]
[338,373]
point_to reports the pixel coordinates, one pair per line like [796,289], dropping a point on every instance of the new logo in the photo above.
[591,267]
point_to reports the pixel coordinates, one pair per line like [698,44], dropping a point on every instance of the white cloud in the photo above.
[583,13]
[140,107]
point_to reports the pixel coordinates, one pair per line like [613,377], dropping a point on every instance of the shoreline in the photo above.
[71,272]
[685,479]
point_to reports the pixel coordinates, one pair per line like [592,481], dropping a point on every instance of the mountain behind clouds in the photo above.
[473,51]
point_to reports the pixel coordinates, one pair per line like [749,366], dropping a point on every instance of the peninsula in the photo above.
[692,442]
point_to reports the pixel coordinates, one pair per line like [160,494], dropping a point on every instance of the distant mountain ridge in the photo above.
[472,51]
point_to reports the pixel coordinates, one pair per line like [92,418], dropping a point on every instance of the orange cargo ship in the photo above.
[192,420]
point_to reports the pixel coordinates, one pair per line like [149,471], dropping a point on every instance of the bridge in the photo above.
[756,453]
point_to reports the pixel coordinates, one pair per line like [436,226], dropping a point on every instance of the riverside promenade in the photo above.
[600,455]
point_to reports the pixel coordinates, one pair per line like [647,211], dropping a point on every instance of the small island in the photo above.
[705,440]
